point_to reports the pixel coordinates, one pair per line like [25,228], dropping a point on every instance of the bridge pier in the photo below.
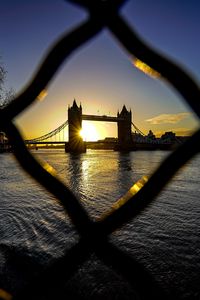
[125,141]
[76,143]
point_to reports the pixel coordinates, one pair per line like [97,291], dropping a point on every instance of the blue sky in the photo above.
[100,74]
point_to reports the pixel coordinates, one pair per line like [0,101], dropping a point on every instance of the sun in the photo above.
[89,132]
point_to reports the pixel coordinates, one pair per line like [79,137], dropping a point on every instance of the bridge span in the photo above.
[75,142]
[101,118]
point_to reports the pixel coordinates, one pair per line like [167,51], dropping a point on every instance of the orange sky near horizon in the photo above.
[182,124]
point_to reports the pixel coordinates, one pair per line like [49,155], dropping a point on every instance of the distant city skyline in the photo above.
[100,74]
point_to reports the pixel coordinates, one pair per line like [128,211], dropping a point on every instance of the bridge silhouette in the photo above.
[75,143]
[127,140]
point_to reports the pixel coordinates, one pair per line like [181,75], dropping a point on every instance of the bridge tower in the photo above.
[125,141]
[76,143]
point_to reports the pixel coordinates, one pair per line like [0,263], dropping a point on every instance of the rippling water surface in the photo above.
[35,230]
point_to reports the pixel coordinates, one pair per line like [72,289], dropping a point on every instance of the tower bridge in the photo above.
[75,118]
[75,144]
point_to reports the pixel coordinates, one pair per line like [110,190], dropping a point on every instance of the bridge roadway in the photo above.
[101,118]
[43,142]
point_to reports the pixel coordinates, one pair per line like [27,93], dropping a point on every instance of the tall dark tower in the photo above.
[76,143]
[125,141]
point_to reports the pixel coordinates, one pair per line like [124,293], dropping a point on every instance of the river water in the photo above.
[165,238]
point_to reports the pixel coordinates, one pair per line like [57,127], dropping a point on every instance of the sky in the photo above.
[100,75]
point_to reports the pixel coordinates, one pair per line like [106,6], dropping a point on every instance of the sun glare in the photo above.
[89,132]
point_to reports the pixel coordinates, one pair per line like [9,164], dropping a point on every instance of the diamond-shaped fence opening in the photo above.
[94,234]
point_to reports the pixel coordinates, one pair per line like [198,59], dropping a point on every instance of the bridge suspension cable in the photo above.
[60,128]
[137,129]
[48,135]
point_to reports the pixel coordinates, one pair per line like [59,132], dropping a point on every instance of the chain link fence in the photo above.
[94,234]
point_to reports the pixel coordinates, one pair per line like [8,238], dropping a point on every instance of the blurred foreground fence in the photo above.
[94,234]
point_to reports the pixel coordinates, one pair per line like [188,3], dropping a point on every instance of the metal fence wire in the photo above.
[94,234]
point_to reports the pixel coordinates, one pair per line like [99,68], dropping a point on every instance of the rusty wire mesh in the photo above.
[94,234]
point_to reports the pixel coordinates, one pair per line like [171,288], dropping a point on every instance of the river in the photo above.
[165,238]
